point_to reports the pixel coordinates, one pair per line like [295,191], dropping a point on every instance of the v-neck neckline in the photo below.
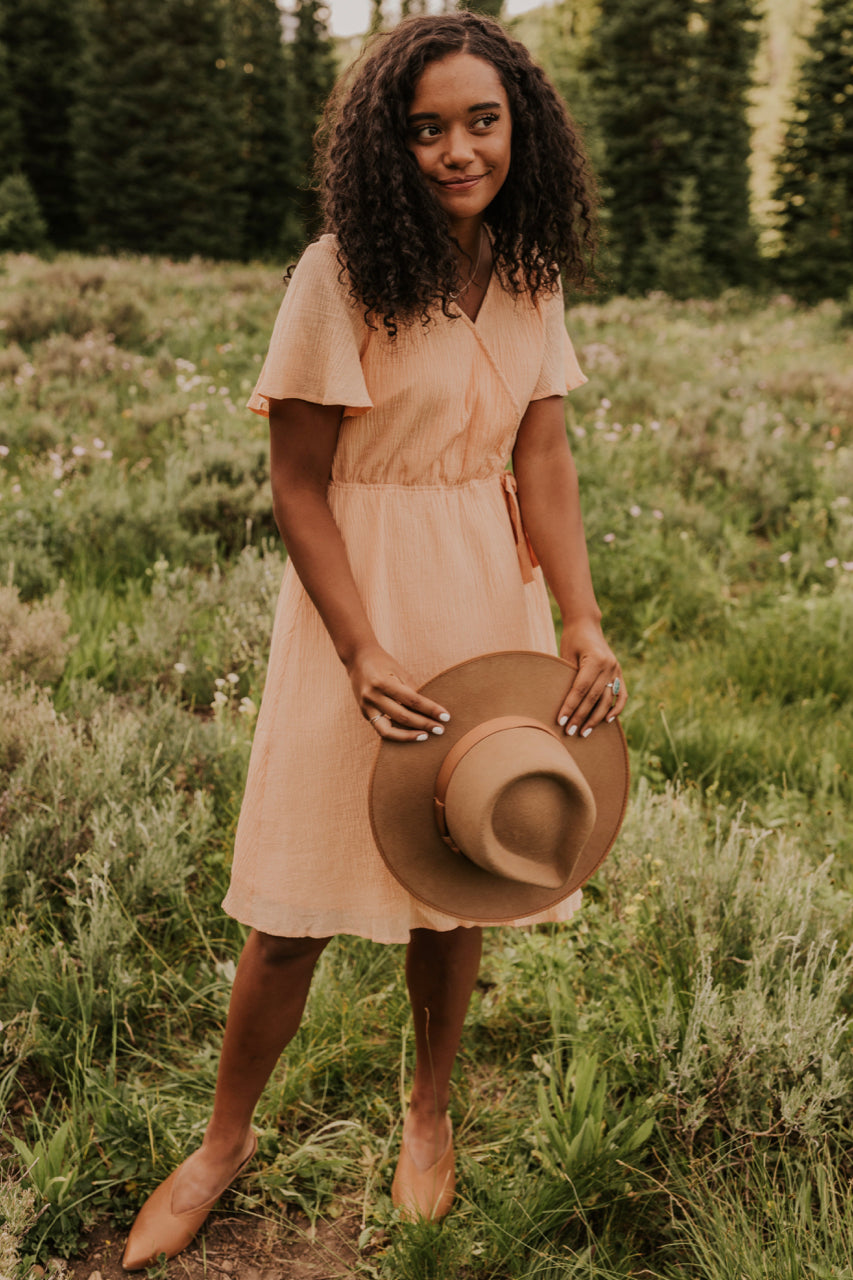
[487,290]
[462,312]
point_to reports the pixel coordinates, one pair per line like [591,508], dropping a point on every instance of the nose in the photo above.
[458,148]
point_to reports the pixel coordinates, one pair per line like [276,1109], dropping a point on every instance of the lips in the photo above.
[461,184]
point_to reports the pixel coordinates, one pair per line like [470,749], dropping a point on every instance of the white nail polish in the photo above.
[445,716]
[437,729]
[422,737]
[572,730]
[563,720]
[586,733]
[610,719]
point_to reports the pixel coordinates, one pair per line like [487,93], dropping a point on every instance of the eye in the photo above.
[486,121]
[424,132]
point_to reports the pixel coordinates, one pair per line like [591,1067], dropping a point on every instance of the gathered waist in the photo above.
[505,480]
[444,486]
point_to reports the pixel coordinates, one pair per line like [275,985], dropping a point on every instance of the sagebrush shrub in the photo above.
[34,640]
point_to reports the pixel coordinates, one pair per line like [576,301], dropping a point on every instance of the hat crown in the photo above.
[515,802]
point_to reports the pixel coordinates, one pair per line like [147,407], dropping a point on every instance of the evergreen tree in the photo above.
[815,188]
[22,227]
[721,139]
[314,67]
[639,61]
[10,121]
[257,57]
[43,45]
[157,154]
[491,8]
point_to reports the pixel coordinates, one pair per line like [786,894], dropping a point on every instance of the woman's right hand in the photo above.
[388,699]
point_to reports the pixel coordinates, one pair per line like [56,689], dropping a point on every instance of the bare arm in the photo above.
[550,508]
[303,437]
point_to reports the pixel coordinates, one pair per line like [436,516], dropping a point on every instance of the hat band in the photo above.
[458,752]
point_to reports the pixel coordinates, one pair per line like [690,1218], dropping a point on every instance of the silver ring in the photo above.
[379,717]
[616,686]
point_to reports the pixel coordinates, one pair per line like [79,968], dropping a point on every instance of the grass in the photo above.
[660,1088]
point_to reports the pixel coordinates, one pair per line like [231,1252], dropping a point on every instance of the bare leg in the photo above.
[267,1001]
[441,969]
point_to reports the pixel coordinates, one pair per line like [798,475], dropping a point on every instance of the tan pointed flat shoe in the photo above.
[158,1230]
[424,1193]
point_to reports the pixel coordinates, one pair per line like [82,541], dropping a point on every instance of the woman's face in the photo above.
[460,131]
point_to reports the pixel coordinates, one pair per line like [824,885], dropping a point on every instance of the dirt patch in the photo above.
[231,1248]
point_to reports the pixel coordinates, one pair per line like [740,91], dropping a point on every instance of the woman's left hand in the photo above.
[598,690]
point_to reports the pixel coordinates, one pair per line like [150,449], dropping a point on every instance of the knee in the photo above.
[278,951]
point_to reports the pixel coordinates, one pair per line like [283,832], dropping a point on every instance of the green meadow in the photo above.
[662,1088]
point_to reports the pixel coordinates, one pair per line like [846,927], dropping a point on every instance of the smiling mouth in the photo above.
[461,182]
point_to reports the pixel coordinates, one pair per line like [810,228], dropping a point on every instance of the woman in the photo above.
[420,345]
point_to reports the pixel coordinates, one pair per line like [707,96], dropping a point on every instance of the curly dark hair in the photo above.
[394,240]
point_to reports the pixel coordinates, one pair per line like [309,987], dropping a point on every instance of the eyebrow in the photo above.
[433,115]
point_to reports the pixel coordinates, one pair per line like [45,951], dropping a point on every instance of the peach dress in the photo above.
[427,512]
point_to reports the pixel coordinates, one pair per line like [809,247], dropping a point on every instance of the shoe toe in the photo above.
[157,1230]
[424,1193]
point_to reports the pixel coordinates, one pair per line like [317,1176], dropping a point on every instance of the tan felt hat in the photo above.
[503,815]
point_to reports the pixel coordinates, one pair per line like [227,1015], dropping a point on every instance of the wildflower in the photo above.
[247,707]
[220,699]
[580,432]
[232,677]
[4,451]
[658,514]
[832,562]
[181,668]
[57,493]
[635,511]
[79,451]
[609,537]
[58,473]
[605,404]
[847,566]
[219,682]
[785,557]
[654,426]
[97,443]
[16,488]
[107,454]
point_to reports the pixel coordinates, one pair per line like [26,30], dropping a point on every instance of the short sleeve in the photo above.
[560,370]
[315,349]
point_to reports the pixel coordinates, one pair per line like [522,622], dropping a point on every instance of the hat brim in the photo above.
[512,682]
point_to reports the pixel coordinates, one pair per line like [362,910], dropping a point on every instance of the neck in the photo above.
[467,235]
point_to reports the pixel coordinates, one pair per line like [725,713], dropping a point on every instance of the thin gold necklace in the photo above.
[454,297]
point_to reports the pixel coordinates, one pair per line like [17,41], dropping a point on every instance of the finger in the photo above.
[582,696]
[401,715]
[588,702]
[599,712]
[619,702]
[408,696]
[391,732]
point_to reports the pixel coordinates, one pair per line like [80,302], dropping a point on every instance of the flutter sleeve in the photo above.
[560,370]
[316,346]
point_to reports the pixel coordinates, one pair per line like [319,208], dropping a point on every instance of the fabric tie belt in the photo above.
[526,555]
